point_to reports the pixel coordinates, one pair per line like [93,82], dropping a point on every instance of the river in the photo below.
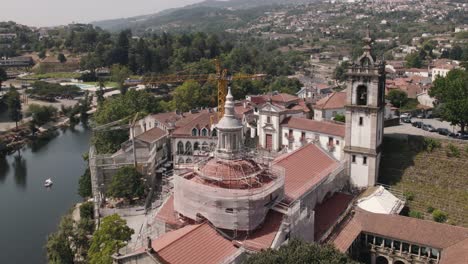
[28,211]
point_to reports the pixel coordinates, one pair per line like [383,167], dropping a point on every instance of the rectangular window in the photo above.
[354,158]
[361,120]
[364,160]
[337,142]
[268,119]
[303,135]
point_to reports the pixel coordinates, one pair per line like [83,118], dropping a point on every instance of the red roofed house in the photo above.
[328,107]
[298,132]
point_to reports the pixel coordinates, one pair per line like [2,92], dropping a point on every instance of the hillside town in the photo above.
[305,132]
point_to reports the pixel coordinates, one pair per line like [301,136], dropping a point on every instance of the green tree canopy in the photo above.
[14,105]
[126,183]
[61,58]
[413,60]
[119,74]
[397,97]
[84,184]
[41,114]
[111,235]
[122,106]
[298,251]
[58,244]
[452,94]
[187,96]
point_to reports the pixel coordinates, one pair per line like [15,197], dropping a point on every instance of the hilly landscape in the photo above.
[210,15]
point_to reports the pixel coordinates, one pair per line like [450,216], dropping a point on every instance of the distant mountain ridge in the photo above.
[224,14]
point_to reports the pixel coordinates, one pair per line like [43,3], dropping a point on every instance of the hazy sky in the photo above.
[59,12]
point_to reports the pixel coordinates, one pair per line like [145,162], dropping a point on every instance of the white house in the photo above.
[327,108]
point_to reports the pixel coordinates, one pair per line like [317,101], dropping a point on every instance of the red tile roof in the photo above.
[168,215]
[336,100]
[195,244]
[304,168]
[453,240]
[152,135]
[324,127]
[198,120]
[327,213]
[263,237]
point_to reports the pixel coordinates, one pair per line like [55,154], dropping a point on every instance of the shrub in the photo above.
[439,216]
[339,118]
[430,209]
[415,214]
[430,144]
[409,196]
[87,210]
[453,151]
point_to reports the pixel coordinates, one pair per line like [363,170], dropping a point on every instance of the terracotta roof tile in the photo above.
[152,135]
[452,240]
[304,168]
[327,213]
[324,127]
[195,244]
[263,237]
[168,215]
[336,100]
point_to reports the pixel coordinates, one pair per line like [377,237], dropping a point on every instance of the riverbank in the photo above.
[37,210]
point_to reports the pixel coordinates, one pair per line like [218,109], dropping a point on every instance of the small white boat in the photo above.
[48,183]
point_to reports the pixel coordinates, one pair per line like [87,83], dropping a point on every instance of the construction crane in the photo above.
[221,77]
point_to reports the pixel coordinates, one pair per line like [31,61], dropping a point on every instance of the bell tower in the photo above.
[365,103]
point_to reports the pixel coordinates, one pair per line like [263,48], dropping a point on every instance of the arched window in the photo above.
[196,146]
[205,146]
[194,132]
[189,160]
[361,95]
[214,133]
[365,62]
[181,160]
[188,148]
[180,147]
[204,132]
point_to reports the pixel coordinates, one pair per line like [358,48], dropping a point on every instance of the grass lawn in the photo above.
[431,180]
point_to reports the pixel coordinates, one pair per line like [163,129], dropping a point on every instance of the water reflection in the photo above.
[20,169]
[39,143]
[4,168]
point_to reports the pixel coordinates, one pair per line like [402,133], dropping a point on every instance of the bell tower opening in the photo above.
[361,95]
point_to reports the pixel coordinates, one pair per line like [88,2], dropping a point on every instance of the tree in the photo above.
[397,97]
[451,93]
[111,235]
[14,105]
[3,77]
[413,60]
[58,244]
[42,54]
[87,210]
[41,114]
[122,106]
[339,118]
[187,96]
[119,74]
[84,184]
[439,216]
[340,71]
[298,251]
[126,183]
[61,58]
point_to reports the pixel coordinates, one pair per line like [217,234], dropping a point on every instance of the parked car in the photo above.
[463,136]
[429,128]
[443,131]
[420,115]
[406,120]
[417,124]
[408,115]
